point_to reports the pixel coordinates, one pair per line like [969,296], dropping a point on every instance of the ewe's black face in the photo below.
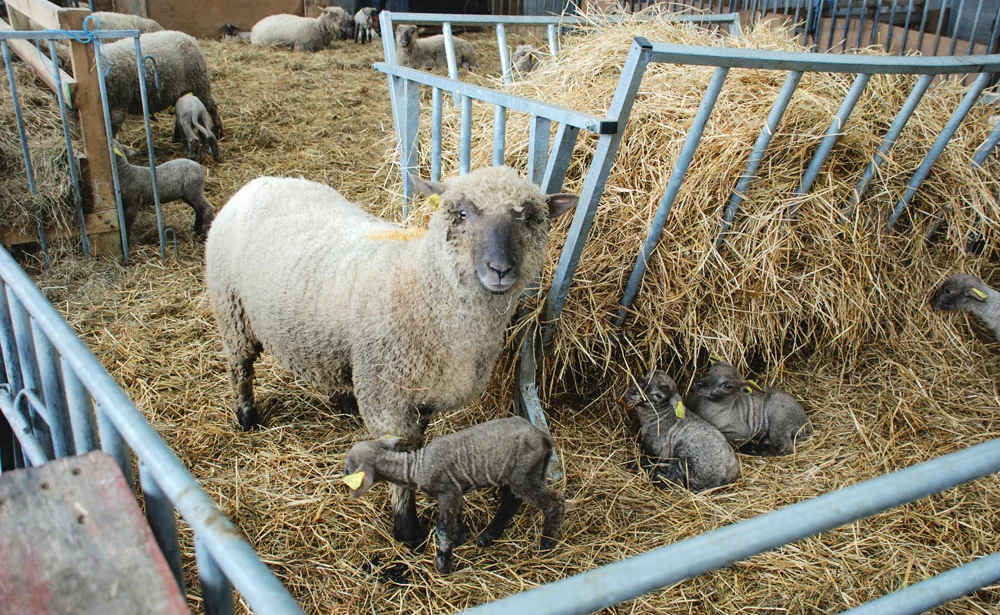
[657,388]
[721,381]
[957,291]
[405,35]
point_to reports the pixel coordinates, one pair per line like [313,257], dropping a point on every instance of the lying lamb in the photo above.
[231,32]
[193,126]
[510,453]
[412,319]
[177,180]
[681,447]
[757,422]
[524,60]
[429,52]
[967,292]
[300,33]
[363,30]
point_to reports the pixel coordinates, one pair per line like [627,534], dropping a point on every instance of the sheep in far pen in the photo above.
[524,60]
[108,20]
[193,126]
[412,319]
[509,453]
[301,33]
[429,52]
[967,292]
[181,68]
[363,29]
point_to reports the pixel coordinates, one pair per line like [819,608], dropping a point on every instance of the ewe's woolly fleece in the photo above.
[122,21]
[430,53]
[292,264]
[300,33]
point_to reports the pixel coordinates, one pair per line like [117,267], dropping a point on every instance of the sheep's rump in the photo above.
[283,30]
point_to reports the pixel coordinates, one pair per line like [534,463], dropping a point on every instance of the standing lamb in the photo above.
[413,319]
[429,52]
[181,69]
[757,422]
[509,453]
[177,180]
[967,292]
[300,33]
[193,126]
[363,30]
[681,447]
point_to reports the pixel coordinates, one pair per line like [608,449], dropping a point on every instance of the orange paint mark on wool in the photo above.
[398,234]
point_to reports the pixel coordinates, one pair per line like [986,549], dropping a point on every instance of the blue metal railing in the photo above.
[56,399]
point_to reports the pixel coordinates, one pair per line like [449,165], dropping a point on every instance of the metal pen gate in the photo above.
[547,164]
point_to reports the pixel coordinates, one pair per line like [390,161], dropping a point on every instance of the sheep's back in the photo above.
[179,62]
[282,30]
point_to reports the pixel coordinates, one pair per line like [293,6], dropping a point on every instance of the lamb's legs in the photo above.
[204,213]
[550,502]
[507,508]
[450,530]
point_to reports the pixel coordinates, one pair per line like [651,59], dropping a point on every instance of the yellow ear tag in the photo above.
[679,409]
[434,201]
[748,389]
[119,152]
[753,385]
[714,358]
[354,480]
[979,293]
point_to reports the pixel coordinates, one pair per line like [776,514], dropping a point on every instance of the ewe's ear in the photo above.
[427,188]
[561,203]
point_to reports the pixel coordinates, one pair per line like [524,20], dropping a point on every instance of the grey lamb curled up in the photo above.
[967,292]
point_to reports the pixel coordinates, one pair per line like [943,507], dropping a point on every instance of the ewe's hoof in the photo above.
[547,544]
[445,563]
[249,420]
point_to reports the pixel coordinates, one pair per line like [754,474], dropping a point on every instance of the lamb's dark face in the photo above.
[957,292]
[657,389]
[359,466]
[405,34]
[721,381]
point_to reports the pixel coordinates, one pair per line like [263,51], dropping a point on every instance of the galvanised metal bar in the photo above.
[665,566]
[141,69]
[927,594]
[113,444]
[31,451]
[832,135]
[8,346]
[909,106]
[593,186]
[465,136]
[25,150]
[958,19]
[833,26]
[906,26]
[757,155]
[892,24]
[81,413]
[691,142]
[562,150]
[538,148]
[861,23]
[233,554]
[875,21]
[940,25]
[216,590]
[21,321]
[556,113]
[923,25]
[436,134]
[505,53]
[411,131]
[991,46]
[52,393]
[987,147]
[449,50]
[847,25]
[399,17]
[101,72]
[553,40]
[499,134]
[942,141]
[975,27]
[160,514]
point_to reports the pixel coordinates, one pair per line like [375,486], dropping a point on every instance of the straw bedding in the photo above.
[886,382]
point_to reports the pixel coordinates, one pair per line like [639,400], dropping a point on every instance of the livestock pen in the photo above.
[889,384]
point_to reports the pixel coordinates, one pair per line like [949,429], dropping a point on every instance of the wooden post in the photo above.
[88,103]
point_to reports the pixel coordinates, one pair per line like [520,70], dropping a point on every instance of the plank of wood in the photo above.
[42,12]
[75,541]
[41,64]
[95,225]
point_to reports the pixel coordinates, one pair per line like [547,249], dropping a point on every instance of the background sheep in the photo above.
[300,33]
[122,21]
[177,180]
[429,52]
[681,446]
[524,59]
[758,422]
[967,292]
[181,69]
[363,30]
[509,453]
[193,126]
[413,319]
[231,32]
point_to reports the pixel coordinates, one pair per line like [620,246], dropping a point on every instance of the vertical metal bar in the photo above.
[160,513]
[538,148]
[940,25]
[113,444]
[465,145]
[909,106]
[411,126]
[810,18]
[892,25]
[833,26]
[499,133]
[11,377]
[99,59]
[991,45]
[832,134]
[504,53]
[954,31]
[906,26]
[847,25]
[21,321]
[28,168]
[553,40]
[691,142]
[70,156]
[52,393]
[436,135]
[975,27]
[861,24]
[216,590]
[757,155]
[923,25]
[141,68]
[81,412]
[449,50]
[562,150]
[942,141]
[878,13]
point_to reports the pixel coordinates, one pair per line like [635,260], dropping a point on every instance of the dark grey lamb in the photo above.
[967,292]
[763,422]
[680,446]
[509,453]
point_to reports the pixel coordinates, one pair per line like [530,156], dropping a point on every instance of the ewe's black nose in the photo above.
[501,270]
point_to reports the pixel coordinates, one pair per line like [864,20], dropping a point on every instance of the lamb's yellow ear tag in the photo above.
[714,358]
[118,152]
[753,386]
[979,294]
[679,409]
[354,480]
[434,201]
[748,389]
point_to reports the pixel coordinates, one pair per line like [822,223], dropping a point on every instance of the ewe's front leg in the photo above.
[450,530]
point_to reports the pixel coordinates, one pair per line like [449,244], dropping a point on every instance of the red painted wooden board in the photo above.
[73,540]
